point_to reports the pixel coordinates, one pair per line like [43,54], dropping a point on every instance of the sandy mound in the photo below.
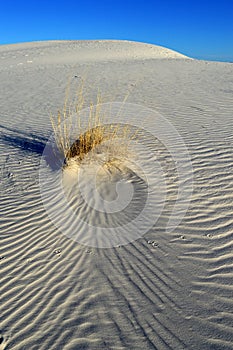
[60,51]
[171,287]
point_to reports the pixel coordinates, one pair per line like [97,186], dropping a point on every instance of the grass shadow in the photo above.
[30,142]
[27,142]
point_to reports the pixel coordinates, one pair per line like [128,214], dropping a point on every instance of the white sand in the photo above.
[165,290]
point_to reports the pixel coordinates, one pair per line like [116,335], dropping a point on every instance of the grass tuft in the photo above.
[88,134]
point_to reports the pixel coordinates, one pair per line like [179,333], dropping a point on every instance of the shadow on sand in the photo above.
[28,142]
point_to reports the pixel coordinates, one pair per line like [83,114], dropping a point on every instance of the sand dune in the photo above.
[69,51]
[168,288]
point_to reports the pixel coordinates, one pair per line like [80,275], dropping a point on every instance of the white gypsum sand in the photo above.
[164,290]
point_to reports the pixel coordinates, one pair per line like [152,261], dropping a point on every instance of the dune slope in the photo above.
[165,290]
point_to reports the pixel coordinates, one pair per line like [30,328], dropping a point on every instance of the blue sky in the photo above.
[200,29]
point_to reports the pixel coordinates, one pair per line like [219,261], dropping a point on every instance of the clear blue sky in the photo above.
[200,29]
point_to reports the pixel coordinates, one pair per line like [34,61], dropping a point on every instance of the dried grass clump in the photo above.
[91,133]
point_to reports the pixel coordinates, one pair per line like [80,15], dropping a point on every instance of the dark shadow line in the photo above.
[24,143]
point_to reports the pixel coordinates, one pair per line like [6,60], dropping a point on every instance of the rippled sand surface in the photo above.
[165,289]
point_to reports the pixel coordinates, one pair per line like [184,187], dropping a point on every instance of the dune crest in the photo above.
[92,50]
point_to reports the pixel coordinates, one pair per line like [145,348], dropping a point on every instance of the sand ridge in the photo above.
[55,52]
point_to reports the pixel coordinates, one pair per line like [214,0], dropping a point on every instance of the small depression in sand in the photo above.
[106,193]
